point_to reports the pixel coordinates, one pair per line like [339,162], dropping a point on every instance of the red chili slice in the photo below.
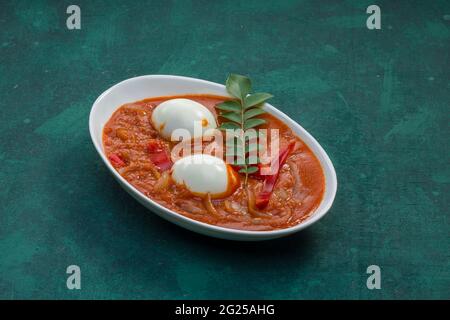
[159,155]
[262,199]
[116,160]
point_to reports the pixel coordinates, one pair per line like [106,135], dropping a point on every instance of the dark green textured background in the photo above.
[378,102]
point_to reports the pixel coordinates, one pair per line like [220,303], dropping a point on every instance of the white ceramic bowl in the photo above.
[139,88]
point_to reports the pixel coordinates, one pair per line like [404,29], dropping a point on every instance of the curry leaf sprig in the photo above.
[242,114]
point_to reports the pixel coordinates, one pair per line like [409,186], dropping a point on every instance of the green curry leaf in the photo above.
[232,116]
[242,114]
[229,126]
[230,106]
[253,113]
[253,123]
[238,86]
[256,99]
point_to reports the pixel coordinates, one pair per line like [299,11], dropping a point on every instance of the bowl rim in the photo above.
[311,219]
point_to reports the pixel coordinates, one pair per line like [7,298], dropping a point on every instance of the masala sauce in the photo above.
[297,193]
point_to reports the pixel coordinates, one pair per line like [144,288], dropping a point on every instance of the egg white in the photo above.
[182,114]
[202,174]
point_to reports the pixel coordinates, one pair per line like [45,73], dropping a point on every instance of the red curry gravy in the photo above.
[297,193]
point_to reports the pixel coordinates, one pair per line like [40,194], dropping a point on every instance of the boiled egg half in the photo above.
[202,174]
[182,114]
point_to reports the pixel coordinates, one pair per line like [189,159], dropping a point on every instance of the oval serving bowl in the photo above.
[139,88]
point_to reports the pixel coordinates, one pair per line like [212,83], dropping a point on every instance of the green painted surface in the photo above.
[378,102]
